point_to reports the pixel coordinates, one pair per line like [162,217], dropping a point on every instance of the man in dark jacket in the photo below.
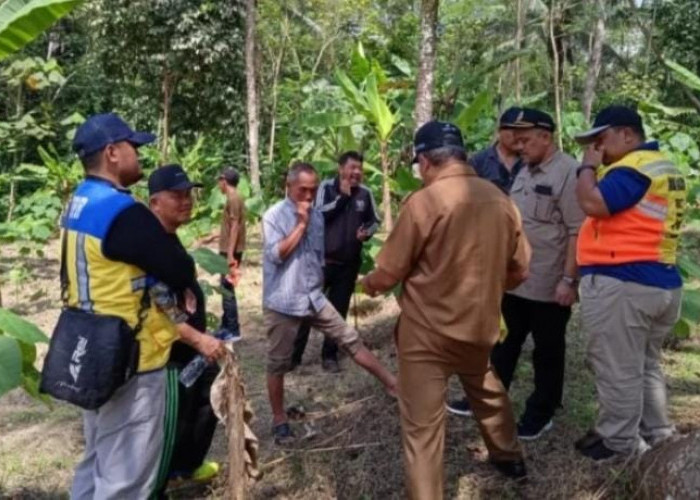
[350,218]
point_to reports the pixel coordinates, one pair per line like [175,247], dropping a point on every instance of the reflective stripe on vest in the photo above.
[646,232]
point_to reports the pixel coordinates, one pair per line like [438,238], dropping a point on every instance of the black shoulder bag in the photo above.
[90,355]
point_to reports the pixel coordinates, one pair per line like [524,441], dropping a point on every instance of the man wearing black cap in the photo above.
[456,246]
[634,197]
[232,239]
[170,199]
[113,244]
[544,192]
[500,162]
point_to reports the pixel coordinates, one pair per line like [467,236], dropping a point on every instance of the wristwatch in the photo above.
[569,280]
[585,167]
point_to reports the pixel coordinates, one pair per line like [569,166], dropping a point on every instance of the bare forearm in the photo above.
[289,244]
[189,335]
[378,281]
[589,196]
[570,266]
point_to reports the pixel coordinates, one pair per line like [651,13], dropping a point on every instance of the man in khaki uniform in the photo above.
[231,245]
[457,245]
[545,193]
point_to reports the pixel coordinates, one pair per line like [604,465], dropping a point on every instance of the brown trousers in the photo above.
[426,362]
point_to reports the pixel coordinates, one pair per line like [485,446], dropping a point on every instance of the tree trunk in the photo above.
[520,28]
[252,110]
[555,69]
[167,95]
[386,191]
[426,67]
[595,58]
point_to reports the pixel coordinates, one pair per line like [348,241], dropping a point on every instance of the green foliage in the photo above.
[21,21]
[18,338]
[211,262]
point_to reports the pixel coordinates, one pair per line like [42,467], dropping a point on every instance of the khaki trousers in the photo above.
[626,324]
[426,362]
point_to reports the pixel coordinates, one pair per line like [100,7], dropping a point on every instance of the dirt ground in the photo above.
[356,452]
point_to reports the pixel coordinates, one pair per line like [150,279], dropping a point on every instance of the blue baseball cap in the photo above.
[170,178]
[434,135]
[99,131]
[612,116]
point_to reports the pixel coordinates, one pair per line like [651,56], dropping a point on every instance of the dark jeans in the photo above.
[229,318]
[196,423]
[339,285]
[547,323]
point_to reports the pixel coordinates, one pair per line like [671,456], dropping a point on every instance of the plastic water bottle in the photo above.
[195,368]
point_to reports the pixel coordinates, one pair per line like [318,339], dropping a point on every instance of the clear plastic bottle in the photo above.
[194,369]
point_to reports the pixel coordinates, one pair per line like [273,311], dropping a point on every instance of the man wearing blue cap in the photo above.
[634,198]
[456,246]
[112,245]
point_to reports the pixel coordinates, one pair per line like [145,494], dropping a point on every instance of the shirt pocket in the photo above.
[542,203]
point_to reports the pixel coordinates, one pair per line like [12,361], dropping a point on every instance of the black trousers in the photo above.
[229,304]
[547,323]
[339,285]
[196,423]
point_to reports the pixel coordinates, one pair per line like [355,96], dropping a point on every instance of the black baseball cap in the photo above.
[509,117]
[170,178]
[434,135]
[612,116]
[99,131]
[534,118]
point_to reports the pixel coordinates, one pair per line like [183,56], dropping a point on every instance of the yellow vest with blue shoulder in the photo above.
[647,232]
[100,285]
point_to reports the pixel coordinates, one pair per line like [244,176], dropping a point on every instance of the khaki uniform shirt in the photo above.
[452,247]
[546,197]
[233,211]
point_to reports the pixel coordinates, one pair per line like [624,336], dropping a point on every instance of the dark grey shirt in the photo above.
[488,166]
[293,286]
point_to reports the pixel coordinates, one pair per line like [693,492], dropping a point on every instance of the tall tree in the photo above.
[595,57]
[519,30]
[252,107]
[426,66]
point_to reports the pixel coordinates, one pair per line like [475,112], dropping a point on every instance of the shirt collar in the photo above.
[455,168]
[97,178]
[648,146]
[545,165]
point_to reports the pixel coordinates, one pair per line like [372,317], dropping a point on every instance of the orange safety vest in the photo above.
[646,232]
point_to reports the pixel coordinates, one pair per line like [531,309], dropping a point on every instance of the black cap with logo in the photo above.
[534,118]
[99,131]
[170,178]
[434,135]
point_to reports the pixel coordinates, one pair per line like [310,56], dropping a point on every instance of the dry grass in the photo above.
[356,453]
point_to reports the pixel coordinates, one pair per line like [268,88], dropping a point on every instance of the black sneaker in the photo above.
[529,430]
[514,469]
[330,366]
[460,407]
[283,434]
[597,451]
[589,439]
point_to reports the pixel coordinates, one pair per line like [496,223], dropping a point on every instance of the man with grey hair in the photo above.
[293,248]
[458,244]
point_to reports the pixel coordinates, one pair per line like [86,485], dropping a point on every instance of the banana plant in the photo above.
[21,21]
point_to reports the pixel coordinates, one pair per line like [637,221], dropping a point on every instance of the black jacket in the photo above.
[343,216]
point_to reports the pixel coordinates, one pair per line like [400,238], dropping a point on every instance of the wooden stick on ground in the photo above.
[235,428]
